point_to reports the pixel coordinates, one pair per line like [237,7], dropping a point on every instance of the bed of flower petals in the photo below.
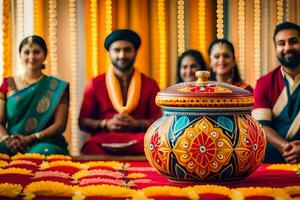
[34,176]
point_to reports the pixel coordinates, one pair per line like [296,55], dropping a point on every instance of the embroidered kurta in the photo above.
[97,105]
[31,110]
[277,105]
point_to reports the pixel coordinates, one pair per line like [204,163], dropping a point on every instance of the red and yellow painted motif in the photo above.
[203,149]
[211,146]
[251,146]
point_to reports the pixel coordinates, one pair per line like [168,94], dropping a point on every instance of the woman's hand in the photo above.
[20,142]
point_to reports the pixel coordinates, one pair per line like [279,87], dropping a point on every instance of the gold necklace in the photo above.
[27,81]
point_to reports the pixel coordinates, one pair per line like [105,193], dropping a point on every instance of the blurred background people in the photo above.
[188,63]
[223,64]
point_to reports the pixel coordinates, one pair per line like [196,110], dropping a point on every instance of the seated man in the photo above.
[277,98]
[119,106]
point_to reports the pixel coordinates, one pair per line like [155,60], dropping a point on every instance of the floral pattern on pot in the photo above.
[203,148]
[250,149]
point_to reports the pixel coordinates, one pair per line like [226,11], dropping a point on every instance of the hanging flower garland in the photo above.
[279,11]
[53,36]
[257,40]
[20,20]
[162,43]
[220,19]
[242,37]
[180,27]
[74,82]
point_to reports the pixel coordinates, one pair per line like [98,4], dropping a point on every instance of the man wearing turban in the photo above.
[119,105]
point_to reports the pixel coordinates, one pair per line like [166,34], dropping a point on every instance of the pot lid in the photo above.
[204,94]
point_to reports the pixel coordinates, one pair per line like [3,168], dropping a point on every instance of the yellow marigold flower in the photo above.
[46,165]
[14,170]
[48,188]
[136,175]
[112,164]
[139,195]
[164,191]
[276,193]
[10,190]
[3,163]
[287,167]
[105,191]
[292,190]
[20,156]
[211,189]
[58,157]
[4,156]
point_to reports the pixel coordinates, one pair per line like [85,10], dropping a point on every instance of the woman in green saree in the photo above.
[33,107]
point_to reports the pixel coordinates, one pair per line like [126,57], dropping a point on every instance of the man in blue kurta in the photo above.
[277,98]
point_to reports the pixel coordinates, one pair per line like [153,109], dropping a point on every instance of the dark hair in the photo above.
[34,39]
[236,75]
[195,54]
[285,26]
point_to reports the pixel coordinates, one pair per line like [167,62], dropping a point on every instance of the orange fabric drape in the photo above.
[38,8]
[138,20]
[7,38]
[103,59]
[121,8]
[154,46]
[125,14]
[193,24]
[39,24]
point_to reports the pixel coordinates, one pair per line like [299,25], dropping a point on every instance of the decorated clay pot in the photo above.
[206,132]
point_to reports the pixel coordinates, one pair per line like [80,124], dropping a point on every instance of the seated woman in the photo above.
[33,107]
[189,62]
[223,64]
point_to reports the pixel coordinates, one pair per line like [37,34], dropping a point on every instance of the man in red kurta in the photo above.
[119,106]
[277,98]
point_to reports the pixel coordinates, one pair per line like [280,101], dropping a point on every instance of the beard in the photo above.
[290,62]
[126,67]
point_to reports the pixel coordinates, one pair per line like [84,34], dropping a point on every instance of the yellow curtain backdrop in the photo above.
[40,21]
[38,24]
[133,14]
[7,38]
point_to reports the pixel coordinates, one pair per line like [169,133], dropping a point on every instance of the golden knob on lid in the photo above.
[202,77]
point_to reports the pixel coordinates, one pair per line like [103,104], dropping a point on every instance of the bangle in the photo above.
[102,123]
[3,138]
[38,135]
